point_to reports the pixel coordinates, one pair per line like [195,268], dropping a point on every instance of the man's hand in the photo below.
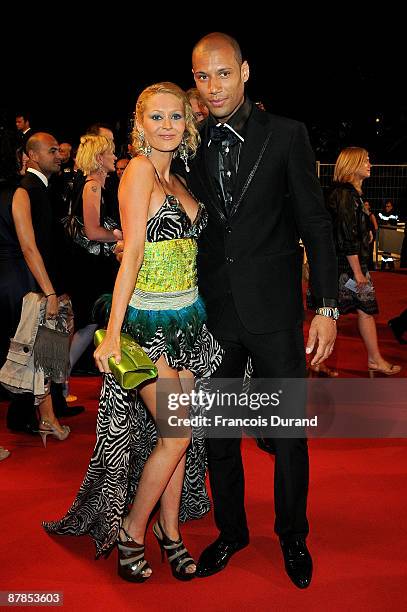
[119,248]
[322,335]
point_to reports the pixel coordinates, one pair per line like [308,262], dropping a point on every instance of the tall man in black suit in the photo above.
[256,174]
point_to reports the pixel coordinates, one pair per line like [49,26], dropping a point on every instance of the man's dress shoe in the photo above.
[298,562]
[30,428]
[266,445]
[216,557]
[395,327]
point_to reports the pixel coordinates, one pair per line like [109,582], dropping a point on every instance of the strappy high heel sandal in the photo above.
[177,554]
[53,431]
[4,453]
[392,369]
[131,563]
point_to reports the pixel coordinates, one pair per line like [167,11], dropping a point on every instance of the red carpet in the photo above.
[357,512]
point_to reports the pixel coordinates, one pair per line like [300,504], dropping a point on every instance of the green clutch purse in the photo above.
[135,366]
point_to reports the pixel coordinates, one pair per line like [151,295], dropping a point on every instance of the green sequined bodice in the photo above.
[168,266]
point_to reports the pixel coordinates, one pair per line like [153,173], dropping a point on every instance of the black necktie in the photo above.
[220,133]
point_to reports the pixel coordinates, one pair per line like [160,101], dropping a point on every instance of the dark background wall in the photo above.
[339,78]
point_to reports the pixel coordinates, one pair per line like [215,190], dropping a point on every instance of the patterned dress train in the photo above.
[166,316]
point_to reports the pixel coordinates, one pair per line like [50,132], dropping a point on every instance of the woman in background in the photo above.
[93,264]
[198,106]
[352,238]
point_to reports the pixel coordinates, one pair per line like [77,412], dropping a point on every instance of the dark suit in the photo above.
[22,140]
[250,264]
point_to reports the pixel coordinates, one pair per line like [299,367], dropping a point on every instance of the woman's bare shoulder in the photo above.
[91,186]
[20,196]
[140,165]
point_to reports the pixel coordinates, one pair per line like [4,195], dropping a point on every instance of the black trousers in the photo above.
[403,252]
[22,412]
[400,322]
[274,355]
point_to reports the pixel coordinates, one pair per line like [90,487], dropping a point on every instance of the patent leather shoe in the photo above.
[216,557]
[266,445]
[298,562]
[397,330]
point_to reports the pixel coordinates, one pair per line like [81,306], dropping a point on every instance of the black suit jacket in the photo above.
[254,254]
[49,234]
[25,137]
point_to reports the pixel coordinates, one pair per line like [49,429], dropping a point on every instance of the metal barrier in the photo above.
[386,182]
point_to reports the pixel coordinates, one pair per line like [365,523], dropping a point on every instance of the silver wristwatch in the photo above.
[328,311]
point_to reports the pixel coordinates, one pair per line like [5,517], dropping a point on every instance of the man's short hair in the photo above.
[95,127]
[232,41]
[25,114]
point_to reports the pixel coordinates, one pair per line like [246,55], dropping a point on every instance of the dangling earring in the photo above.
[101,169]
[183,153]
[145,147]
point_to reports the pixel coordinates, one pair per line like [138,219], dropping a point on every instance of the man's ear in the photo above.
[245,71]
[31,154]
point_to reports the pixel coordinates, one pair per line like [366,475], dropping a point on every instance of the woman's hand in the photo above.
[118,250]
[51,310]
[109,347]
[361,281]
[118,234]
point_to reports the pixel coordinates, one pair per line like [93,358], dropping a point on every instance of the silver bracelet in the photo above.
[328,311]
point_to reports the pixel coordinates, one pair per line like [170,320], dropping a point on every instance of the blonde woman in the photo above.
[156,300]
[93,264]
[352,236]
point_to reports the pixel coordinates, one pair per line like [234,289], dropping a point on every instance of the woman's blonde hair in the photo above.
[193,93]
[348,163]
[91,146]
[191,136]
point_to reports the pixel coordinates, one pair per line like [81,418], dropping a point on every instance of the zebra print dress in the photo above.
[126,433]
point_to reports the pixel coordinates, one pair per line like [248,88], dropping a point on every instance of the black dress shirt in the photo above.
[224,149]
